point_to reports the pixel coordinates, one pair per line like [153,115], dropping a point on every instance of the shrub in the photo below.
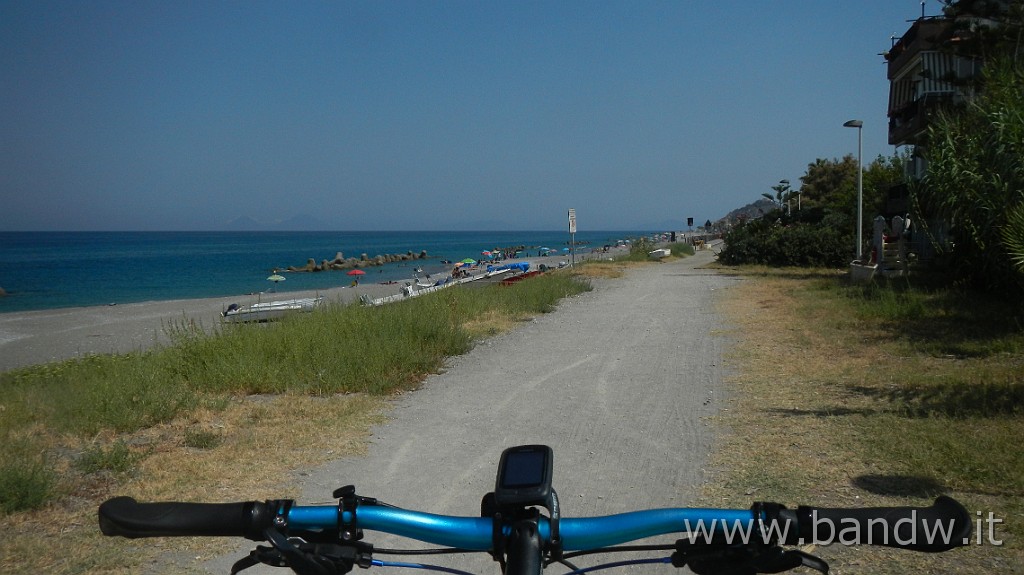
[797,244]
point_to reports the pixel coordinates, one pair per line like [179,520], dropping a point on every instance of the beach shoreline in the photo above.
[38,337]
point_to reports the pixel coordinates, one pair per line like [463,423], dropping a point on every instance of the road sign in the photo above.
[572,221]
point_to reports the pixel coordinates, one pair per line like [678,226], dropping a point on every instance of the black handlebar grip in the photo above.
[128,518]
[941,527]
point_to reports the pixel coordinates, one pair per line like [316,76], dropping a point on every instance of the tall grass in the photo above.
[343,349]
[26,479]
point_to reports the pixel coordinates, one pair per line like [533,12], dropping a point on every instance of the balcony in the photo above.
[908,124]
[924,34]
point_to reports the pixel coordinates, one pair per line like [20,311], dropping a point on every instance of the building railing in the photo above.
[906,124]
[924,34]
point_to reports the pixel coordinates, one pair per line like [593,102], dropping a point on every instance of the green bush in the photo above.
[772,243]
[682,249]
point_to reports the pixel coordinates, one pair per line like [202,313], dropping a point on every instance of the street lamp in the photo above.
[860,184]
[791,192]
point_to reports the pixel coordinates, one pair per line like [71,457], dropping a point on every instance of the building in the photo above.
[934,66]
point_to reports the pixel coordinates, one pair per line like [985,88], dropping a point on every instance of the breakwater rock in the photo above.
[340,262]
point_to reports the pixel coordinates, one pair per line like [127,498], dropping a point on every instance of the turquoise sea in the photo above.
[47,270]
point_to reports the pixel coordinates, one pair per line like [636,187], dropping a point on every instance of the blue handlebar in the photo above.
[475,533]
[942,526]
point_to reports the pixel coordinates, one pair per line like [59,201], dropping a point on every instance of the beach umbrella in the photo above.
[357,273]
[565,249]
[469,261]
[276,278]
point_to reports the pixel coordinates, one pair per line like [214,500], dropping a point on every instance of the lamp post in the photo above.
[860,184]
[790,192]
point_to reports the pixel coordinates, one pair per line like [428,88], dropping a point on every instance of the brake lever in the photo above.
[307,558]
[722,559]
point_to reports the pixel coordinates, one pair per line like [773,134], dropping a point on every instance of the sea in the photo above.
[50,270]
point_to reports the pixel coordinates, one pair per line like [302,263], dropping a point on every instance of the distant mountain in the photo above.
[244,224]
[297,223]
[302,223]
[751,211]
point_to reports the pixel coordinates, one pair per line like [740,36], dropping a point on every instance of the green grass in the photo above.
[947,395]
[116,458]
[343,349]
[85,396]
[26,480]
[940,321]
[973,455]
[884,394]
[202,439]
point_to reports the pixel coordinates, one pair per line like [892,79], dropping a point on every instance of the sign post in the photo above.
[572,236]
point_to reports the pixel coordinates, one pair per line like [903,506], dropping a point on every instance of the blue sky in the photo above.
[423,115]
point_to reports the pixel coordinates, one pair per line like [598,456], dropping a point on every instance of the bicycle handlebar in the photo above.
[126,517]
[940,527]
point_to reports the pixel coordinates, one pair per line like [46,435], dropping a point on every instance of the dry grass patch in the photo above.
[260,440]
[603,269]
[810,421]
[492,322]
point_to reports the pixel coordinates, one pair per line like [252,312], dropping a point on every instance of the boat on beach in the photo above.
[269,311]
[411,290]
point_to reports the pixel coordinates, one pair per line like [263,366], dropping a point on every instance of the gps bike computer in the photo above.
[524,476]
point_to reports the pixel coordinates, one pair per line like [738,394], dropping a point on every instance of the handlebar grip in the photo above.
[941,527]
[127,517]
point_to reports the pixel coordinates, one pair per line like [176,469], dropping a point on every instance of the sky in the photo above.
[427,114]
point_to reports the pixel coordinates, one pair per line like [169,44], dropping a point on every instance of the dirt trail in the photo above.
[619,381]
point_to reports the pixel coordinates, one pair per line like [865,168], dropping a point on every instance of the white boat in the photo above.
[411,291]
[271,310]
[660,253]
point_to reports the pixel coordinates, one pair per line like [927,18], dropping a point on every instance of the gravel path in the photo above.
[619,381]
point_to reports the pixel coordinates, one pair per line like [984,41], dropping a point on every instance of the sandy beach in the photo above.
[37,337]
